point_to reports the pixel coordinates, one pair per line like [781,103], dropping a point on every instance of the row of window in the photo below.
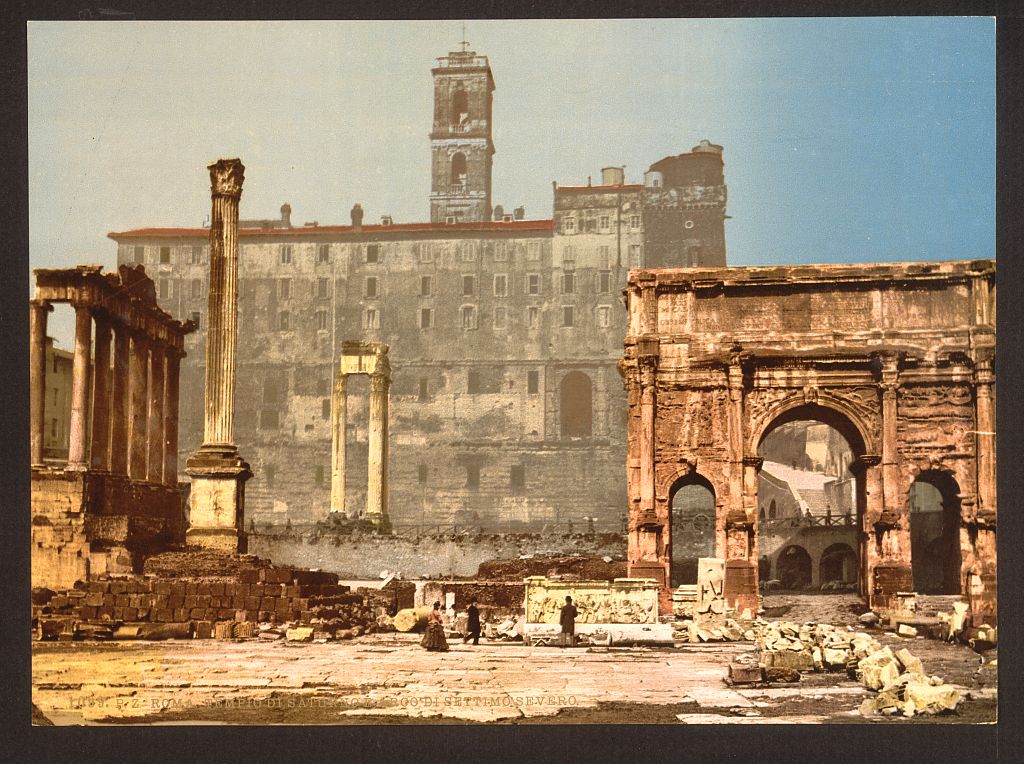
[196,255]
[468,318]
[516,478]
[424,252]
[371,286]
[602,224]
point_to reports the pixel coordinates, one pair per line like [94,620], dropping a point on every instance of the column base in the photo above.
[889,578]
[217,498]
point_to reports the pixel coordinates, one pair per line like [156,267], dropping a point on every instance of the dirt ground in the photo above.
[390,679]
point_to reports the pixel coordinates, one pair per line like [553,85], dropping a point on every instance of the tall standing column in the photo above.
[38,310]
[77,450]
[138,397]
[172,362]
[339,417]
[155,433]
[377,470]
[120,401]
[218,472]
[100,458]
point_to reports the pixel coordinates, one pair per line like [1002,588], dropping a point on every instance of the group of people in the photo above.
[434,637]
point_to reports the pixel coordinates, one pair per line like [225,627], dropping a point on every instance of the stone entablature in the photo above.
[897,357]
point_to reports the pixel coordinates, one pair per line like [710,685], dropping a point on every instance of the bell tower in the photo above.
[460,143]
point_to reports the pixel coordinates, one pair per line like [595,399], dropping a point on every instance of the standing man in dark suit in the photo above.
[472,624]
[567,618]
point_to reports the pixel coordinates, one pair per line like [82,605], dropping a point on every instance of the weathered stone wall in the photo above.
[426,557]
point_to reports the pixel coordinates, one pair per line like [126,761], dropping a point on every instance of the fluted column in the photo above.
[38,313]
[217,498]
[100,455]
[172,364]
[377,470]
[155,425]
[138,432]
[78,448]
[120,402]
[339,416]
[226,178]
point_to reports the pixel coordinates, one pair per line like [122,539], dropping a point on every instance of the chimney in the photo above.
[519,213]
[613,176]
[286,215]
[386,220]
[499,212]
[357,217]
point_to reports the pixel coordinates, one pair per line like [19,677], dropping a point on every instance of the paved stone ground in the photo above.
[388,678]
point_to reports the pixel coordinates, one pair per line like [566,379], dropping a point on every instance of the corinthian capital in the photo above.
[226,176]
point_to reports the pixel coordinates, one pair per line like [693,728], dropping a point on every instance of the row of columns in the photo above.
[134,401]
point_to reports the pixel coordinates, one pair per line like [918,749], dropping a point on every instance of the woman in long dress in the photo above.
[433,638]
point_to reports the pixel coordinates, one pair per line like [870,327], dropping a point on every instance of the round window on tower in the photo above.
[688,225]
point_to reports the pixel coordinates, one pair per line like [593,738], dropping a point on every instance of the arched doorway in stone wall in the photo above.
[838,564]
[692,501]
[811,486]
[793,568]
[934,501]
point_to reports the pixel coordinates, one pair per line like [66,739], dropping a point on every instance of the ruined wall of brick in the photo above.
[430,556]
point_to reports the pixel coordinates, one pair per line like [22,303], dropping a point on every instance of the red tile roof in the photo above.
[490,226]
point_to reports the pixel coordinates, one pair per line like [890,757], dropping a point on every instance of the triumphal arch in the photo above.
[897,357]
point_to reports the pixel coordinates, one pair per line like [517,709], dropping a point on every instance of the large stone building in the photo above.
[506,406]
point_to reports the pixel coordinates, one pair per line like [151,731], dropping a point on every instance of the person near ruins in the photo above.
[472,624]
[433,638]
[567,618]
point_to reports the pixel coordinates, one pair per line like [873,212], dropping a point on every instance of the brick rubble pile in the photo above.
[257,602]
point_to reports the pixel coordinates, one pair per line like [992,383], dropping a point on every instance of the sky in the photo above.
[846,140]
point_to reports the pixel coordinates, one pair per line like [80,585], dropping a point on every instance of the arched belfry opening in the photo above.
[576,395]
[692,502]
[934,500]
[460,109]
[458,176]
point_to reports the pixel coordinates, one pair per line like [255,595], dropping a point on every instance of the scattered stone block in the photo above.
[300,634]
[906,630]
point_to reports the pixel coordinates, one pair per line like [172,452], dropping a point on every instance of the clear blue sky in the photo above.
[846,140]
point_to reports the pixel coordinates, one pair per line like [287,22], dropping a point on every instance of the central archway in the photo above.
[812,496]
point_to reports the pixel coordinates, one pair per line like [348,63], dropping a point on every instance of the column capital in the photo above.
[754,461]
[379,381]
[226,177]
[41,305]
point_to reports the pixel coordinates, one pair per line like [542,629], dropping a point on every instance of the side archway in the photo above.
[934,501]
[692,533]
